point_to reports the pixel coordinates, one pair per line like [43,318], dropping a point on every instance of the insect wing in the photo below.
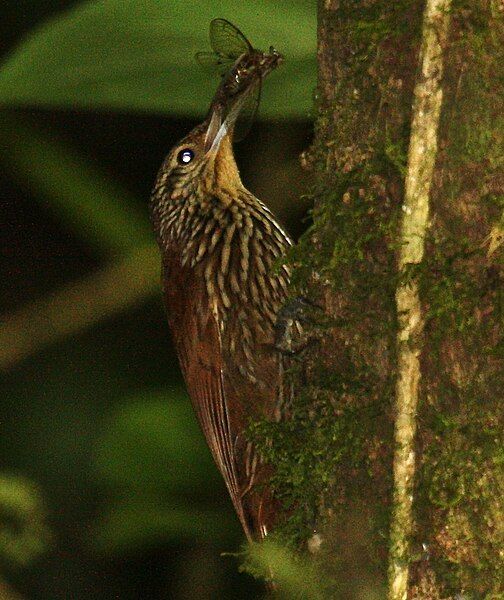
[214,63]
[248,111]
[227,40]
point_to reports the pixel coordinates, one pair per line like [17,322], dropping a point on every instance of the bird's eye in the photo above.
[185,156]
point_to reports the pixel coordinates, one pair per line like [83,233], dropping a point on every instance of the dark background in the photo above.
[99,421]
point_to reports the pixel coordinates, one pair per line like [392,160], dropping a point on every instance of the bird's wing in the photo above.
[198,344]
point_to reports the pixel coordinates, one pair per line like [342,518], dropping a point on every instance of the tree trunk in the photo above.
[394,451]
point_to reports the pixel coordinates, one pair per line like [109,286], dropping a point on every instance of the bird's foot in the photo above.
[296,325]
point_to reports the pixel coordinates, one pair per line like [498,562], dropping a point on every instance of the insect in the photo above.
[242,68]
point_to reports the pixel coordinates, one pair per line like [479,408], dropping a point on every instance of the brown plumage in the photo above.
[223,290]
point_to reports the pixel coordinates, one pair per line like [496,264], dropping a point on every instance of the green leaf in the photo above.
[130,55]
[154,443]
[96,207]
[24,533]
[142,521]
[153,456]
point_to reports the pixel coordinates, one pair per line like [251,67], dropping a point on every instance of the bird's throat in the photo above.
[222,173]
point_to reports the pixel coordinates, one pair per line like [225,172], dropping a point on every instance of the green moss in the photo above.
[450,291]
[333,454]
[373,22]
[475,123]
[465,483]
[461,491]
[325,452]
[463,293]
[334,451]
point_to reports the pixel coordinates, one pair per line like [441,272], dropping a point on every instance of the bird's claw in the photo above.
[291,338]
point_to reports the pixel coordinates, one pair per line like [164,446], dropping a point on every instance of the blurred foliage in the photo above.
[153,442]
[136,522]
[24,532]
[153,459]
[155,479]
[130,55]
[86,198]
[120,285]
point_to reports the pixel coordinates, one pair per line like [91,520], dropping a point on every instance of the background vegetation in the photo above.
[106,487]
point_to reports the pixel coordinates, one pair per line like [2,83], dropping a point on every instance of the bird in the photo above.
[224,284]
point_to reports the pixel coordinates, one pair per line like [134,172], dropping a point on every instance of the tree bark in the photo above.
[422,154]
[414,334]
[7,593]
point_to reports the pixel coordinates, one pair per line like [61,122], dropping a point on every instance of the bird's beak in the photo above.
[215,132]
[222,124]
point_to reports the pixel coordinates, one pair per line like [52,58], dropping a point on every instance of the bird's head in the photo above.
[203,163]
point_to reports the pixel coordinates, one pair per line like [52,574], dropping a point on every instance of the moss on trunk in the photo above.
[334,456]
